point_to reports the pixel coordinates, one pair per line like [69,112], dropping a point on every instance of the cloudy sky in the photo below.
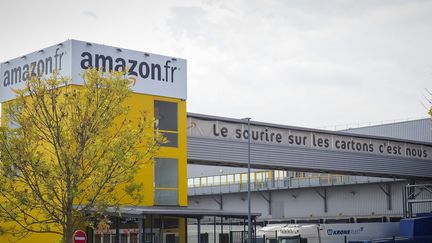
[298,62]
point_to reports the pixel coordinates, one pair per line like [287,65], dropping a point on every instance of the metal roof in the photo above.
[416,130]
[141,212]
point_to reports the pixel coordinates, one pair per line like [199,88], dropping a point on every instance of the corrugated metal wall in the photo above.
[366,200]
[343,201]
[218,152]
[416,130]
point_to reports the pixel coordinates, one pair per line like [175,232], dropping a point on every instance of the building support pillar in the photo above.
[214,229]
[140,230]
[186,230]
[162,228]
[323,195]
[387,191]
[117,229]
[221,226]
[94,236]
[144,229]
[268,200]
[244,230]
[255,232]
[411,195]
[404,201]
[199,230]
[151,229]
[219,201]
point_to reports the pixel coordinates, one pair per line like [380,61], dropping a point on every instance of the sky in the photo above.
[321,64]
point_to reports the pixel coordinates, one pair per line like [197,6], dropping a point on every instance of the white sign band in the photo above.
[151,73]
[306,139]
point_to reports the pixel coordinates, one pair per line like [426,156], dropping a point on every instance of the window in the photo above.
[259,176]
[166,116]
[196,182]
[11,120]
[166,197]
[203,181]
[210,181]
[237,178]
[166,181]
[171,139]
[190,183]
[230,179]
[216,180]
[244,177]
[223,179]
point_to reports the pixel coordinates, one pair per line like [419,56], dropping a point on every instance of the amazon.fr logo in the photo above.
[135,69]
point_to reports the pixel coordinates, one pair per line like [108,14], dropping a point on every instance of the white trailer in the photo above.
[328,233]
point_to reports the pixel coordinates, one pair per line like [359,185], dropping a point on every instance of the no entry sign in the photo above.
[80,237]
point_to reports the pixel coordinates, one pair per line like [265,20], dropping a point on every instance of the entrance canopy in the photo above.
[165,224]
[175,211]
[224,142]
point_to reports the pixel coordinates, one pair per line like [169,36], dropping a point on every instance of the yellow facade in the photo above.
[139,103]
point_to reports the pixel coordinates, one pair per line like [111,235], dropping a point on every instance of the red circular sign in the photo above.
[80,237]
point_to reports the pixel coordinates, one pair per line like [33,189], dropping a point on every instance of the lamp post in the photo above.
[248,184]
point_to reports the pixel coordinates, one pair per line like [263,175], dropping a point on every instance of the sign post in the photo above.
[80,237]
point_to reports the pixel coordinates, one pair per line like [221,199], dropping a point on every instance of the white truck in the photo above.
[328,233]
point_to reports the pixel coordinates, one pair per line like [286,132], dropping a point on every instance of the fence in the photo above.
[272,180]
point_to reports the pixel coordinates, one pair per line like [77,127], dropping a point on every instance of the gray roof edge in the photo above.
[341,133]
[175,211]
[386,124]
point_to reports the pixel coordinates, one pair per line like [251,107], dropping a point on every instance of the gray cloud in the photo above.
[340,56]
[297,62]
[90,14]
[187,21]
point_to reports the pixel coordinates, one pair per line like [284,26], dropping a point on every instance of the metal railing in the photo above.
[268,181]
[415,194]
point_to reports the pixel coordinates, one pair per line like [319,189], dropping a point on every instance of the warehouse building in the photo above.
[298,196]
[300,174]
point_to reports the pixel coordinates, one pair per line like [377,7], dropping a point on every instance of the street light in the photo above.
[248,184]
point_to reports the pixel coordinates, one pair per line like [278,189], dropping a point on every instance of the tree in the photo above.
[71,149]
[429,100]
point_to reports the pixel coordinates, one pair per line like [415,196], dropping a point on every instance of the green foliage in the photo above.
[71,149]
